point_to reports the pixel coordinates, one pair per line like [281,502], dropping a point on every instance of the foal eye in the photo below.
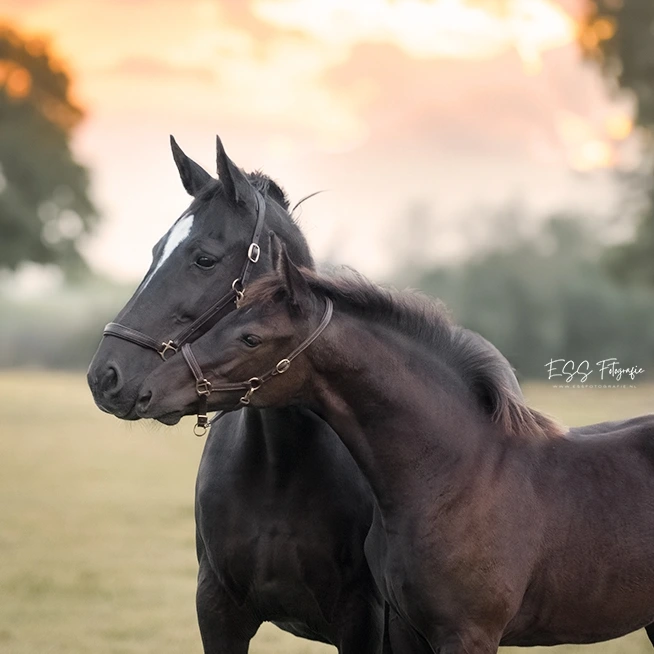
[204,262]
[251,340]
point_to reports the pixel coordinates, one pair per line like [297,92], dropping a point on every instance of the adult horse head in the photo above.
[198,268]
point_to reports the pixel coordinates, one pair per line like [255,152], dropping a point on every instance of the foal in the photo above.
[494,526]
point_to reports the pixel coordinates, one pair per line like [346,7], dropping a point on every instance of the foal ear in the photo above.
[296,285]
[236,184]
[194,177]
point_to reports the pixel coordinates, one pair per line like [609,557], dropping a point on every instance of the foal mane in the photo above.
[484,370]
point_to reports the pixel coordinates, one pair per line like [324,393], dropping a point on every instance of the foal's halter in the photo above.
[235,294]
[204,388]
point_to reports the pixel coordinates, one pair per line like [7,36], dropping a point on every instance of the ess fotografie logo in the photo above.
[607,372]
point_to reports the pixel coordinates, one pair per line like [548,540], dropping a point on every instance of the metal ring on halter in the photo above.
[254,252]
[200,429]
[167,346]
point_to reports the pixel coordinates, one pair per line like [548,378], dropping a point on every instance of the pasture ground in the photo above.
[96,523]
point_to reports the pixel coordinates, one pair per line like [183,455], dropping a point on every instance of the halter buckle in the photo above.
[282,366]
[254,252]
[236,287]
[167,346]
[203,387]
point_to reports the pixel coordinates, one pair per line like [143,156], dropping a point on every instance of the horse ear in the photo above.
[275,250]
[194,177]
[236,184]
[296,285]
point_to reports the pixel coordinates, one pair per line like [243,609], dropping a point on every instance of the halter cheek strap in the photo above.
[167,348]
[204,388]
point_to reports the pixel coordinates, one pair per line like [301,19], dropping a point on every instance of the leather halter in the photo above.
[204,388]
[235,294]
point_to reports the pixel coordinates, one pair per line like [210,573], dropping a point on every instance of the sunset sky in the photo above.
[459,106]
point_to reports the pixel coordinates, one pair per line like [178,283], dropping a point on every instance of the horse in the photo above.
[281,509]
[493,525]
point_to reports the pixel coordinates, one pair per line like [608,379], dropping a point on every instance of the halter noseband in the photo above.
[235,294]
[204,388]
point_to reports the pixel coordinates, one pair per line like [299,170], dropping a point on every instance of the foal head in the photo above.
[193,265]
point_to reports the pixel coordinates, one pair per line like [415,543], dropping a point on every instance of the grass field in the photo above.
[96,523]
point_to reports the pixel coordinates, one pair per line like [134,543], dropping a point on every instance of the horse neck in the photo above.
[406,418]
[280,439]
[272,433]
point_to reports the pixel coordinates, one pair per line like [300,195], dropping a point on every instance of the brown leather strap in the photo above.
[192,362]
[202,388]
[129,334]
[254,249]
[210,313]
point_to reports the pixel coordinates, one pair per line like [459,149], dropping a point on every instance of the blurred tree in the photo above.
[619,36]
[546,296]
[44,203]
[634,261]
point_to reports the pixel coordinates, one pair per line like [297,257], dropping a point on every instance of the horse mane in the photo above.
[482,367]
[268,186]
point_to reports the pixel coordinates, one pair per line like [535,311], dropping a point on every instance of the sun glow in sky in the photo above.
[442,28]
[317,91]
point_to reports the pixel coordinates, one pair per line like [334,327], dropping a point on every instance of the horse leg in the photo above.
[361,628]
[225,628]
[650,632]
[402,638]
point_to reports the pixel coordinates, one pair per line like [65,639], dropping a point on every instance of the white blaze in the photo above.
[178,234]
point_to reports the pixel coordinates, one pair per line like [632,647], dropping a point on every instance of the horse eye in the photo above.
[251,340]
[204,262]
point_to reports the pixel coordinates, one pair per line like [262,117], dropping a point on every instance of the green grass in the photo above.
[96,523]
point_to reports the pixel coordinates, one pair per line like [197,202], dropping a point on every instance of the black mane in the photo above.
[480,364]
[268,186]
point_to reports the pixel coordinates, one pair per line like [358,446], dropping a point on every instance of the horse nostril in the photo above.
[143,403]
[110,380]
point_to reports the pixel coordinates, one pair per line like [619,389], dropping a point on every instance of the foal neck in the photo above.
[405,416]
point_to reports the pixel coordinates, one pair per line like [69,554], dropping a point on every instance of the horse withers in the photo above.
[494,524]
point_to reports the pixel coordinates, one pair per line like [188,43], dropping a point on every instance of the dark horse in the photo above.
[282,511]
[495,525]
